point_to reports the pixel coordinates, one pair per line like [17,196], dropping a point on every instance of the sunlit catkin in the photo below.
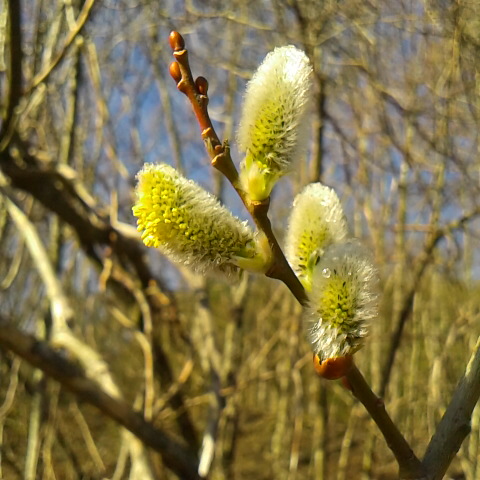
[343,300]
[189,224]
[316,221]
[273,121]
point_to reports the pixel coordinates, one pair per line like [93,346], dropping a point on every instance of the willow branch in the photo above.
[196,92]
[410,466]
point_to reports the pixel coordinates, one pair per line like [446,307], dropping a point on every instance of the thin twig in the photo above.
[409,465]
[421,265]
[79,24]
[455,424]
[15,78]
[196,92]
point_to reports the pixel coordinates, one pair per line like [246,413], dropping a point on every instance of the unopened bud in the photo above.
[332,368]
[202,85]
[175,72]
[176,41]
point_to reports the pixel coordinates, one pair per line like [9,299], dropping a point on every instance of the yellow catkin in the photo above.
[189,224]
[273,124]
[343,300]
[316,221]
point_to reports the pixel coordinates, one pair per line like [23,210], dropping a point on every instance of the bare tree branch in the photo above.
[15,84]
[456,422]
[54,364]
[72,34]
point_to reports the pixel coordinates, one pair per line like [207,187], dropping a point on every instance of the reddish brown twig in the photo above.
[196,91]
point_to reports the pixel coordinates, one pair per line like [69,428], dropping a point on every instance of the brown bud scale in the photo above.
[176,41]
[202,85]
[175,71]
[333,368]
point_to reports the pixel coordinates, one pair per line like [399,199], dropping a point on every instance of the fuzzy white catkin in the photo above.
[316,221]
[343,300]
[189,225]
[273,124]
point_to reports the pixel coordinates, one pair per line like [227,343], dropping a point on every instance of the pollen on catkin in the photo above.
[189,225]
[343,300]
[316,221]
[273,122]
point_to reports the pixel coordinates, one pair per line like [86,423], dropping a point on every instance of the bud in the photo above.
[175,72]
[342,302]
[190,226]
[202,85]
[273,123]
[316,221]
[332,368]
[176,41]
